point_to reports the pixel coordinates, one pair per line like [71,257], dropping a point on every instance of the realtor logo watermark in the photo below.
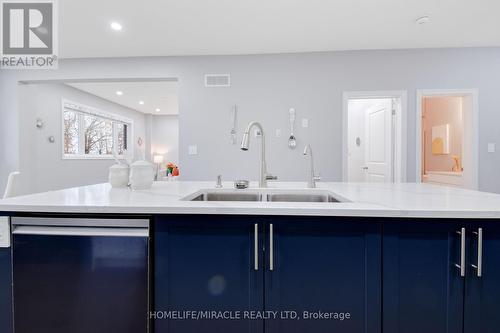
[28,34]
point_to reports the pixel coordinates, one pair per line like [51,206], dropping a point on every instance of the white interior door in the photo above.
[379,143]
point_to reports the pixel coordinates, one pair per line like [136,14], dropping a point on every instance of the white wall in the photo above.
[9,130]
[42,166]
[266,86]
[165,138]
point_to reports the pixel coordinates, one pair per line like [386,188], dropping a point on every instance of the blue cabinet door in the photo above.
[482,293]
[327,271]
[422,287]
[5,291]
[206,264]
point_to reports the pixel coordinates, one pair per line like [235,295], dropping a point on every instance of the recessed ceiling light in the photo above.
[423,20]
[157,110]
[116,26]
[119,92]
[141,102]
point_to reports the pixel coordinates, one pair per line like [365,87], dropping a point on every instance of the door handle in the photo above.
[80,222]
[256,246]
[479,266]
[365,168]
[462,252]
[271,247]
[80,231]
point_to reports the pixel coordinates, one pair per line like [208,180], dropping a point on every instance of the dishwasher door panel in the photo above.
[80,284]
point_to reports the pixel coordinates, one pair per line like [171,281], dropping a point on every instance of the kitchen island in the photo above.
[385,258]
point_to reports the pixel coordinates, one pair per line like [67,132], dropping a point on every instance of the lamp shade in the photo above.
[158,158]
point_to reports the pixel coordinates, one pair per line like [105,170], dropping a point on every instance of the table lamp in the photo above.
[158,160]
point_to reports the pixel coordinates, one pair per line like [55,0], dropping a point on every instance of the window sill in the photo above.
[91,157]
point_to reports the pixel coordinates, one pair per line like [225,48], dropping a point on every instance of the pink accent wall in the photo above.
[439,111]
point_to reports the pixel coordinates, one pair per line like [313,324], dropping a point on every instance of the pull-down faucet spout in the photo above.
[245,145]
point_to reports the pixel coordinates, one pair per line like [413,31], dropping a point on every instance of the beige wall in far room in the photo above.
[439,111]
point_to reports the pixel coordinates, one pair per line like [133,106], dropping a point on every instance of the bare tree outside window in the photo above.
[71,132]
[121,138]
[87,134]
[98,136]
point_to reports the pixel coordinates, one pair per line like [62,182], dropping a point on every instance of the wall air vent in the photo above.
[217,80]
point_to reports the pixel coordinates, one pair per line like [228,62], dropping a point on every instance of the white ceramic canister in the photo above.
[118,175]
[141,175]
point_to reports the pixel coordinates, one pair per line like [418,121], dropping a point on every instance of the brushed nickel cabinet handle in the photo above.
[256,246]
[479,266]
[271,247]
[462,252]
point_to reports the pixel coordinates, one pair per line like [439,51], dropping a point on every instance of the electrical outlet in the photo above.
[256,133]
[278,132]
[491,147]
[305,122]
[4,232]
[193,150]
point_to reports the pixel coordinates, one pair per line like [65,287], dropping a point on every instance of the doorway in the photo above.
[373,137]
[447,138]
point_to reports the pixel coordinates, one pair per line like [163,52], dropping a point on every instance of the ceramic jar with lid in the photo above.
[118,175]
[141,175]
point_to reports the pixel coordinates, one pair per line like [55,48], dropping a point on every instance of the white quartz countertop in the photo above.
[389,200]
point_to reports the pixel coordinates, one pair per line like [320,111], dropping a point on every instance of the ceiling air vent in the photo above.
[217,80]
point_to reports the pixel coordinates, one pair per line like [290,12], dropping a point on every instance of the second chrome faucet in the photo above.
[311,182]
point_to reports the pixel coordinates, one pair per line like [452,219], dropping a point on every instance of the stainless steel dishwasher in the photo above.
[73,275]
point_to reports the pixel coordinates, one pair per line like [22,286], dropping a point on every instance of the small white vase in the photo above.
[118,175]
[141,175]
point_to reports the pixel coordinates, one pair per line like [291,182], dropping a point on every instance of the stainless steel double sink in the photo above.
[266,195]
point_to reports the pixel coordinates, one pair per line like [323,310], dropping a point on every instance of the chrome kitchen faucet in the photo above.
[245,144]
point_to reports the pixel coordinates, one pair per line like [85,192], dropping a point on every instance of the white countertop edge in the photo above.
[352,212]
[408,200]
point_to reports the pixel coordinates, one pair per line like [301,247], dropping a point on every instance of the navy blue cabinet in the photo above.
[323,266]
[5,291]
[207,263]
[319,266]
[482,292]
[422,286]
[336,274]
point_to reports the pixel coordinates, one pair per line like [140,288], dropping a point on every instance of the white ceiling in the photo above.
[194,27]
[162,95]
